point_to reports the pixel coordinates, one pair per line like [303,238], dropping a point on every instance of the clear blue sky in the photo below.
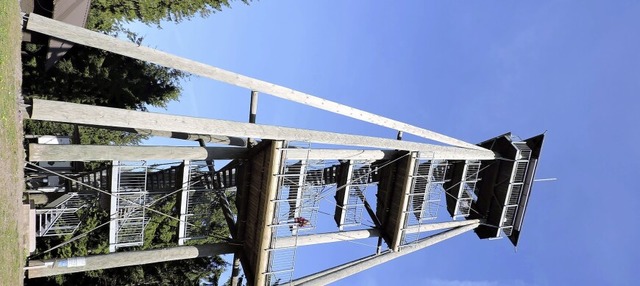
[569,67]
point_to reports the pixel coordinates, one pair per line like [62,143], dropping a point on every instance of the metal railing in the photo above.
[60,216]
[199,213]
[516,187]
[350,199]
[467,189]
[424,197]
[127,214]
[300,183]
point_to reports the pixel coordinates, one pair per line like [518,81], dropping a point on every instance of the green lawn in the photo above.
[11,152]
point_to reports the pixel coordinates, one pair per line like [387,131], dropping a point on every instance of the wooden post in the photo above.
[253,109]
[106,116]
[50,267]
[100,41]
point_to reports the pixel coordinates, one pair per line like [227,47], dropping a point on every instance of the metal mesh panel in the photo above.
[127,213]
[300,183]
[354,207]
[199,211]
[131,219]
[514,194]
[509,217]
[524,150]
[350,200]
[520,171]
[426,190]
[424,197]
[467,188]
[514,198]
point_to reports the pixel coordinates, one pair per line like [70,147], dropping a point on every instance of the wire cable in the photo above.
[109,194]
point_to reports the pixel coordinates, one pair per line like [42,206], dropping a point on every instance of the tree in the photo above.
[92,76]
[109,15]
[96,77]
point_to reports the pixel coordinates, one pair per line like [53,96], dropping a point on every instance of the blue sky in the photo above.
[569,67]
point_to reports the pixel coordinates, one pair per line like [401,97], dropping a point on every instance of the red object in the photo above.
[301,221]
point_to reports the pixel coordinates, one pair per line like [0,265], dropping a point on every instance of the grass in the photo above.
[12,251]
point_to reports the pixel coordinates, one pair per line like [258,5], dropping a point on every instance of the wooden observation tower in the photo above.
[278,182]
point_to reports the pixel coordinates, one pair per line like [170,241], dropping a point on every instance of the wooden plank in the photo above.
[401,199]
[100,41]
[106,116]
[250,192]
[267,210]
[51,152]
[329,237]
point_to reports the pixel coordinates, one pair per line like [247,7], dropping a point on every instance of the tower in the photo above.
[279,182]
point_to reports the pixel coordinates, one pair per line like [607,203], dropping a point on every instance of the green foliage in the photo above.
[109,15]
[92,76]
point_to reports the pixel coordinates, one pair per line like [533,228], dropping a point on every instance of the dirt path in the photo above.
[12,252]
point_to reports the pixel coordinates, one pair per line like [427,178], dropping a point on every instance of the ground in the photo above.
[12,234]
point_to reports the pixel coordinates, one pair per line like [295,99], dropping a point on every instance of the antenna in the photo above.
[546,180]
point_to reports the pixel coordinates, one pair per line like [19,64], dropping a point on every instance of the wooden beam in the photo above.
[100,41]
[439,226]
[329,237]
[401,215]
[268,206]
[106,116]
[50,267]
[339,154]
[339,272]
[54,152]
